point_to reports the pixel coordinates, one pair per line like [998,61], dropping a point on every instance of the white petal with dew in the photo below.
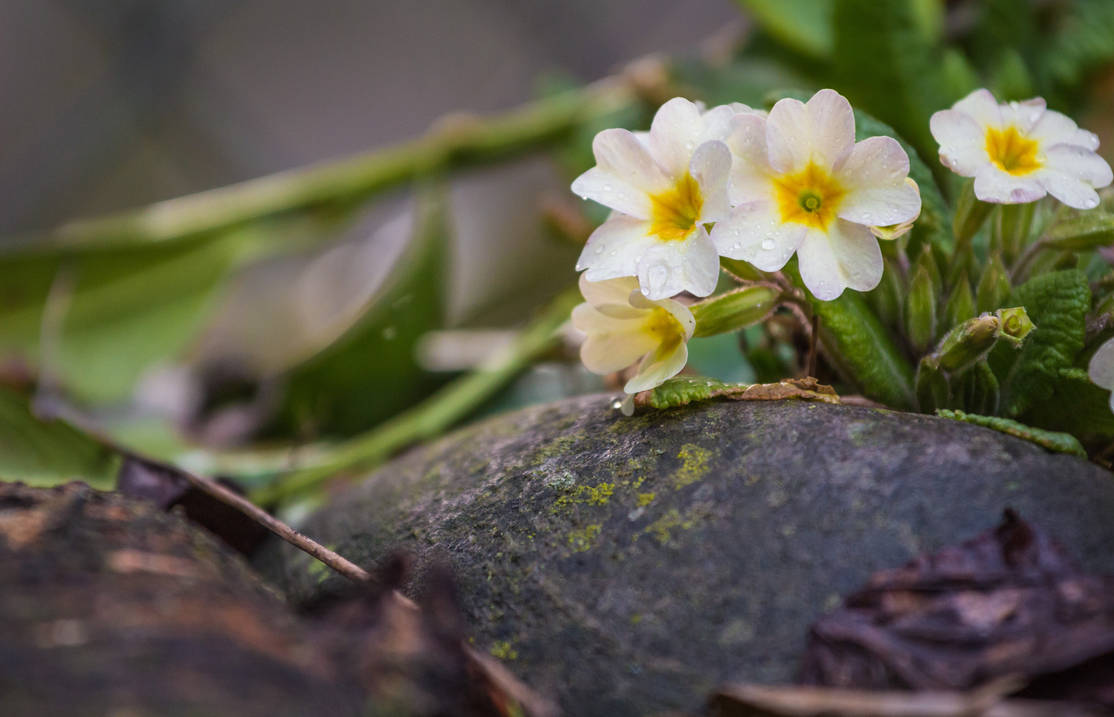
[750,168]
[874,177]
[1023,115]
[604,187]
[1070,190]
[658,367]
[847,256]
[674,134]
[995,186]
[962,142]
[711,168]
[982,107]
[1101,368]
[833,127]
[755,233]
[614,248]
[1056,128]
[788,136]
[1079,162]
[668,268]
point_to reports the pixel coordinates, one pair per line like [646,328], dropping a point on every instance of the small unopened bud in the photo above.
[994,286]
[1015,324]
[961,304]
[920,311]
[734,310]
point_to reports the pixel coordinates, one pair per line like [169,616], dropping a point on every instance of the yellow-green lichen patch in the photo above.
[645,499]
[664,527]
[503,650]
[694,464]
[583,538]
[587,495]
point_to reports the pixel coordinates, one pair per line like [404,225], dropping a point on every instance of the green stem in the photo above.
[432,416]
[455,141]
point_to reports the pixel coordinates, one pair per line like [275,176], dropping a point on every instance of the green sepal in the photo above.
[1083,231]
[1012,225]
[920,311]
[933,388]
[994,286]
[741,269]
[961,303]
[734,310]
[1051,440]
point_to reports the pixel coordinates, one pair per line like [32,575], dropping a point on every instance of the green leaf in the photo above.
[1051,440]
[803,25]
[863,351]
[1057,303]
[888,66]
[1078,406]
[734,310]
[370,373]
[683,390]
[961,304]
[1082,44]
[114,311]
[44,453]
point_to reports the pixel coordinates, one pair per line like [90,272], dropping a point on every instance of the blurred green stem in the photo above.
[432,416]
[454,141]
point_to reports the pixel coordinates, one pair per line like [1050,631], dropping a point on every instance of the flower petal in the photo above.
[711,168]
[614,248]
[659,366]
[788,136]
[611,291]
[755,233]
[750,169]
[674,133]
[1024,115]
[1079,162]
[833,127]
[981,106]
[606,351]
[1070,190]
[846,257]
[668,268]
[962,141]
[995,186]
[874,177]
[1101,368]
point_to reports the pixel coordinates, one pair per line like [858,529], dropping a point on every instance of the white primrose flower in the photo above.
[664,186]
[623,327]
[1020,151]
[802,184]
[1101,368]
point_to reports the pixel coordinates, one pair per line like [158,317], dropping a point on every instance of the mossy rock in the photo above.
[629,565]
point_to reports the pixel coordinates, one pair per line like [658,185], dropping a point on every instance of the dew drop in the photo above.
[599,250]
[613,252]
[737,245]
[608,188]
[617,404]
[389,333]
[767,244]
[645,291]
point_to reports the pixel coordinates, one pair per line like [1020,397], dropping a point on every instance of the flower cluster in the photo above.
[760,187]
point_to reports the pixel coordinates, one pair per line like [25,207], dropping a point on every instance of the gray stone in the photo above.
[630,565]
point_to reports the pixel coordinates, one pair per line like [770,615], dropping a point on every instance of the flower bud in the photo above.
[734,310]
[994,286]
[920,310]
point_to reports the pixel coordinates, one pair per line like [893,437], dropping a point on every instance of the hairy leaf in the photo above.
[1052,440]
[1057,304]
[1076,405]
[683,390]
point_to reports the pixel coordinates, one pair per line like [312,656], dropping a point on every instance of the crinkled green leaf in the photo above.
[683,390]
[1078,406]
[1052,440]
[1057,303]
[49,452]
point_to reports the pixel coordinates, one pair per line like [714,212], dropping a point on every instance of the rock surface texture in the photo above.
[629,565]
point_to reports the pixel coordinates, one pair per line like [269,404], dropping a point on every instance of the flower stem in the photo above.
[433,415]
[454,141]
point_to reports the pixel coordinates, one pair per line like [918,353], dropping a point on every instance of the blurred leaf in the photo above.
[1052,440]
[1057,303]
[43,453]
[370,373]
[720,357]
[887,65]
[1083,43]
[803,25]
[115,311]
[748,79]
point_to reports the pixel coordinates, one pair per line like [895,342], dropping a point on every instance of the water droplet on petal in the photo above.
[613,252]
[737,245]
[768,244]
[608,188]
[599,250]
[645,291]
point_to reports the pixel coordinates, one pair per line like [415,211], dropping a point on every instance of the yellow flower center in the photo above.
[674,212]
[810,196]
[663,326]
[1011,151]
